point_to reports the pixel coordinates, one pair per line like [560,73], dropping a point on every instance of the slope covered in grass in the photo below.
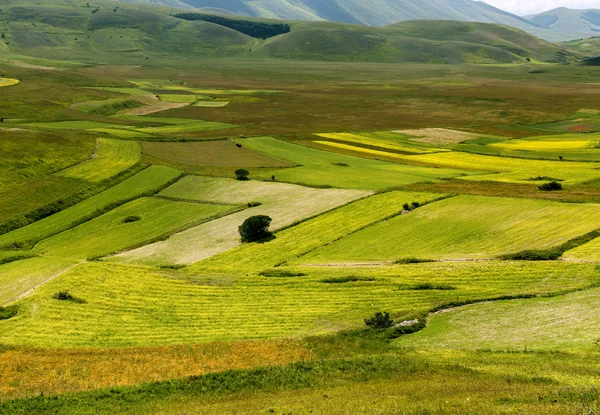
[138,306]
[133,224]
[566,322]
[465,227]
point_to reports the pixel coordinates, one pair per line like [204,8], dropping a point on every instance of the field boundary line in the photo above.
[62,204]
[201,202]
[112,206]
[52,277]
[443,197]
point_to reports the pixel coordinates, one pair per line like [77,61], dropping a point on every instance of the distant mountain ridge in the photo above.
[570,23]
[566,25]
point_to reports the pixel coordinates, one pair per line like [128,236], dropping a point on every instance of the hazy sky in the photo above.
[524,7]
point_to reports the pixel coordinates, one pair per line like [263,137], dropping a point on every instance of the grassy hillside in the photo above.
[137,34]
[588,47]
[419,41]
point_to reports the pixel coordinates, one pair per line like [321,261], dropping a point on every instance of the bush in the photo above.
[8,312]
[67,296]
[242,174]
[255,228]
[280,273]
[406,206]
[132,218]
[549,187]
[380,321]
[429,286]
[412,261]
[342,280]
[415,205]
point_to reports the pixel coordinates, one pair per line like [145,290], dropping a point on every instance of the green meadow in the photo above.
[403,170]
[464,227]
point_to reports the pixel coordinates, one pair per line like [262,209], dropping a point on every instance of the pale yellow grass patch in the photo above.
[286,204]
[8,82]
[439,135]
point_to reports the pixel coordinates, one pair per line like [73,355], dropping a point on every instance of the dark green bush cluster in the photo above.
[280,273]
[411,206]
[67,296]
[429,286]
[242,174]
[412,261]
[550,186]
[8,312]
[342,280]
[257,30]
[132,218]
[381,320]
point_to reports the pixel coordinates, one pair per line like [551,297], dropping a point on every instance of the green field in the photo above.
[320,168]
[143,307]
[109,233]
[147,181]
[19,277]
[125,286]
[568,322]
[464,227]
[109,159]
[286,204]
[313,234]
[221,153]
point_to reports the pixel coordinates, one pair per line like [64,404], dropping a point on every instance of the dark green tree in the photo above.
[255,228]
[242,174]
[549,187]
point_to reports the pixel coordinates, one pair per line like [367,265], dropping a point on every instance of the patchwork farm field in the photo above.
[464,227]
[419,192]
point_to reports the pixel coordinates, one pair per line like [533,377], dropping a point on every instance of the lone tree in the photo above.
[242,174]
[255,228]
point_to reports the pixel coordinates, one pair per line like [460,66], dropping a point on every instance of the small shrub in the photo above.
[132,218]
[255,228]
[8,312]
[67,296]
[551,186]
[534,255]
[380,321]
[342,280]
[415,205]
[340,164]
[242,174]
[173,266]
[429,286]
[280,273]
[406,206]
[254,204]
[412,261]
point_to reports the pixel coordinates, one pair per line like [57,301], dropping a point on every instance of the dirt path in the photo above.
[52,277]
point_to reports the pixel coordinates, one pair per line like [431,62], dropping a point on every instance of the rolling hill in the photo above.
[138,33]
[569,24]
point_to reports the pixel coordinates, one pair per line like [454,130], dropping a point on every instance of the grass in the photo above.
[310,235]
[4,82]
[557,323]
[286,204]
[382,140]
[19,277]
[29,372]
[108,233]
[317,168]
[145,182]
[585,252]
[222,153]
[464,227]
[109,159]
[178,98]
[469,382]
[144,307]
[211,104]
